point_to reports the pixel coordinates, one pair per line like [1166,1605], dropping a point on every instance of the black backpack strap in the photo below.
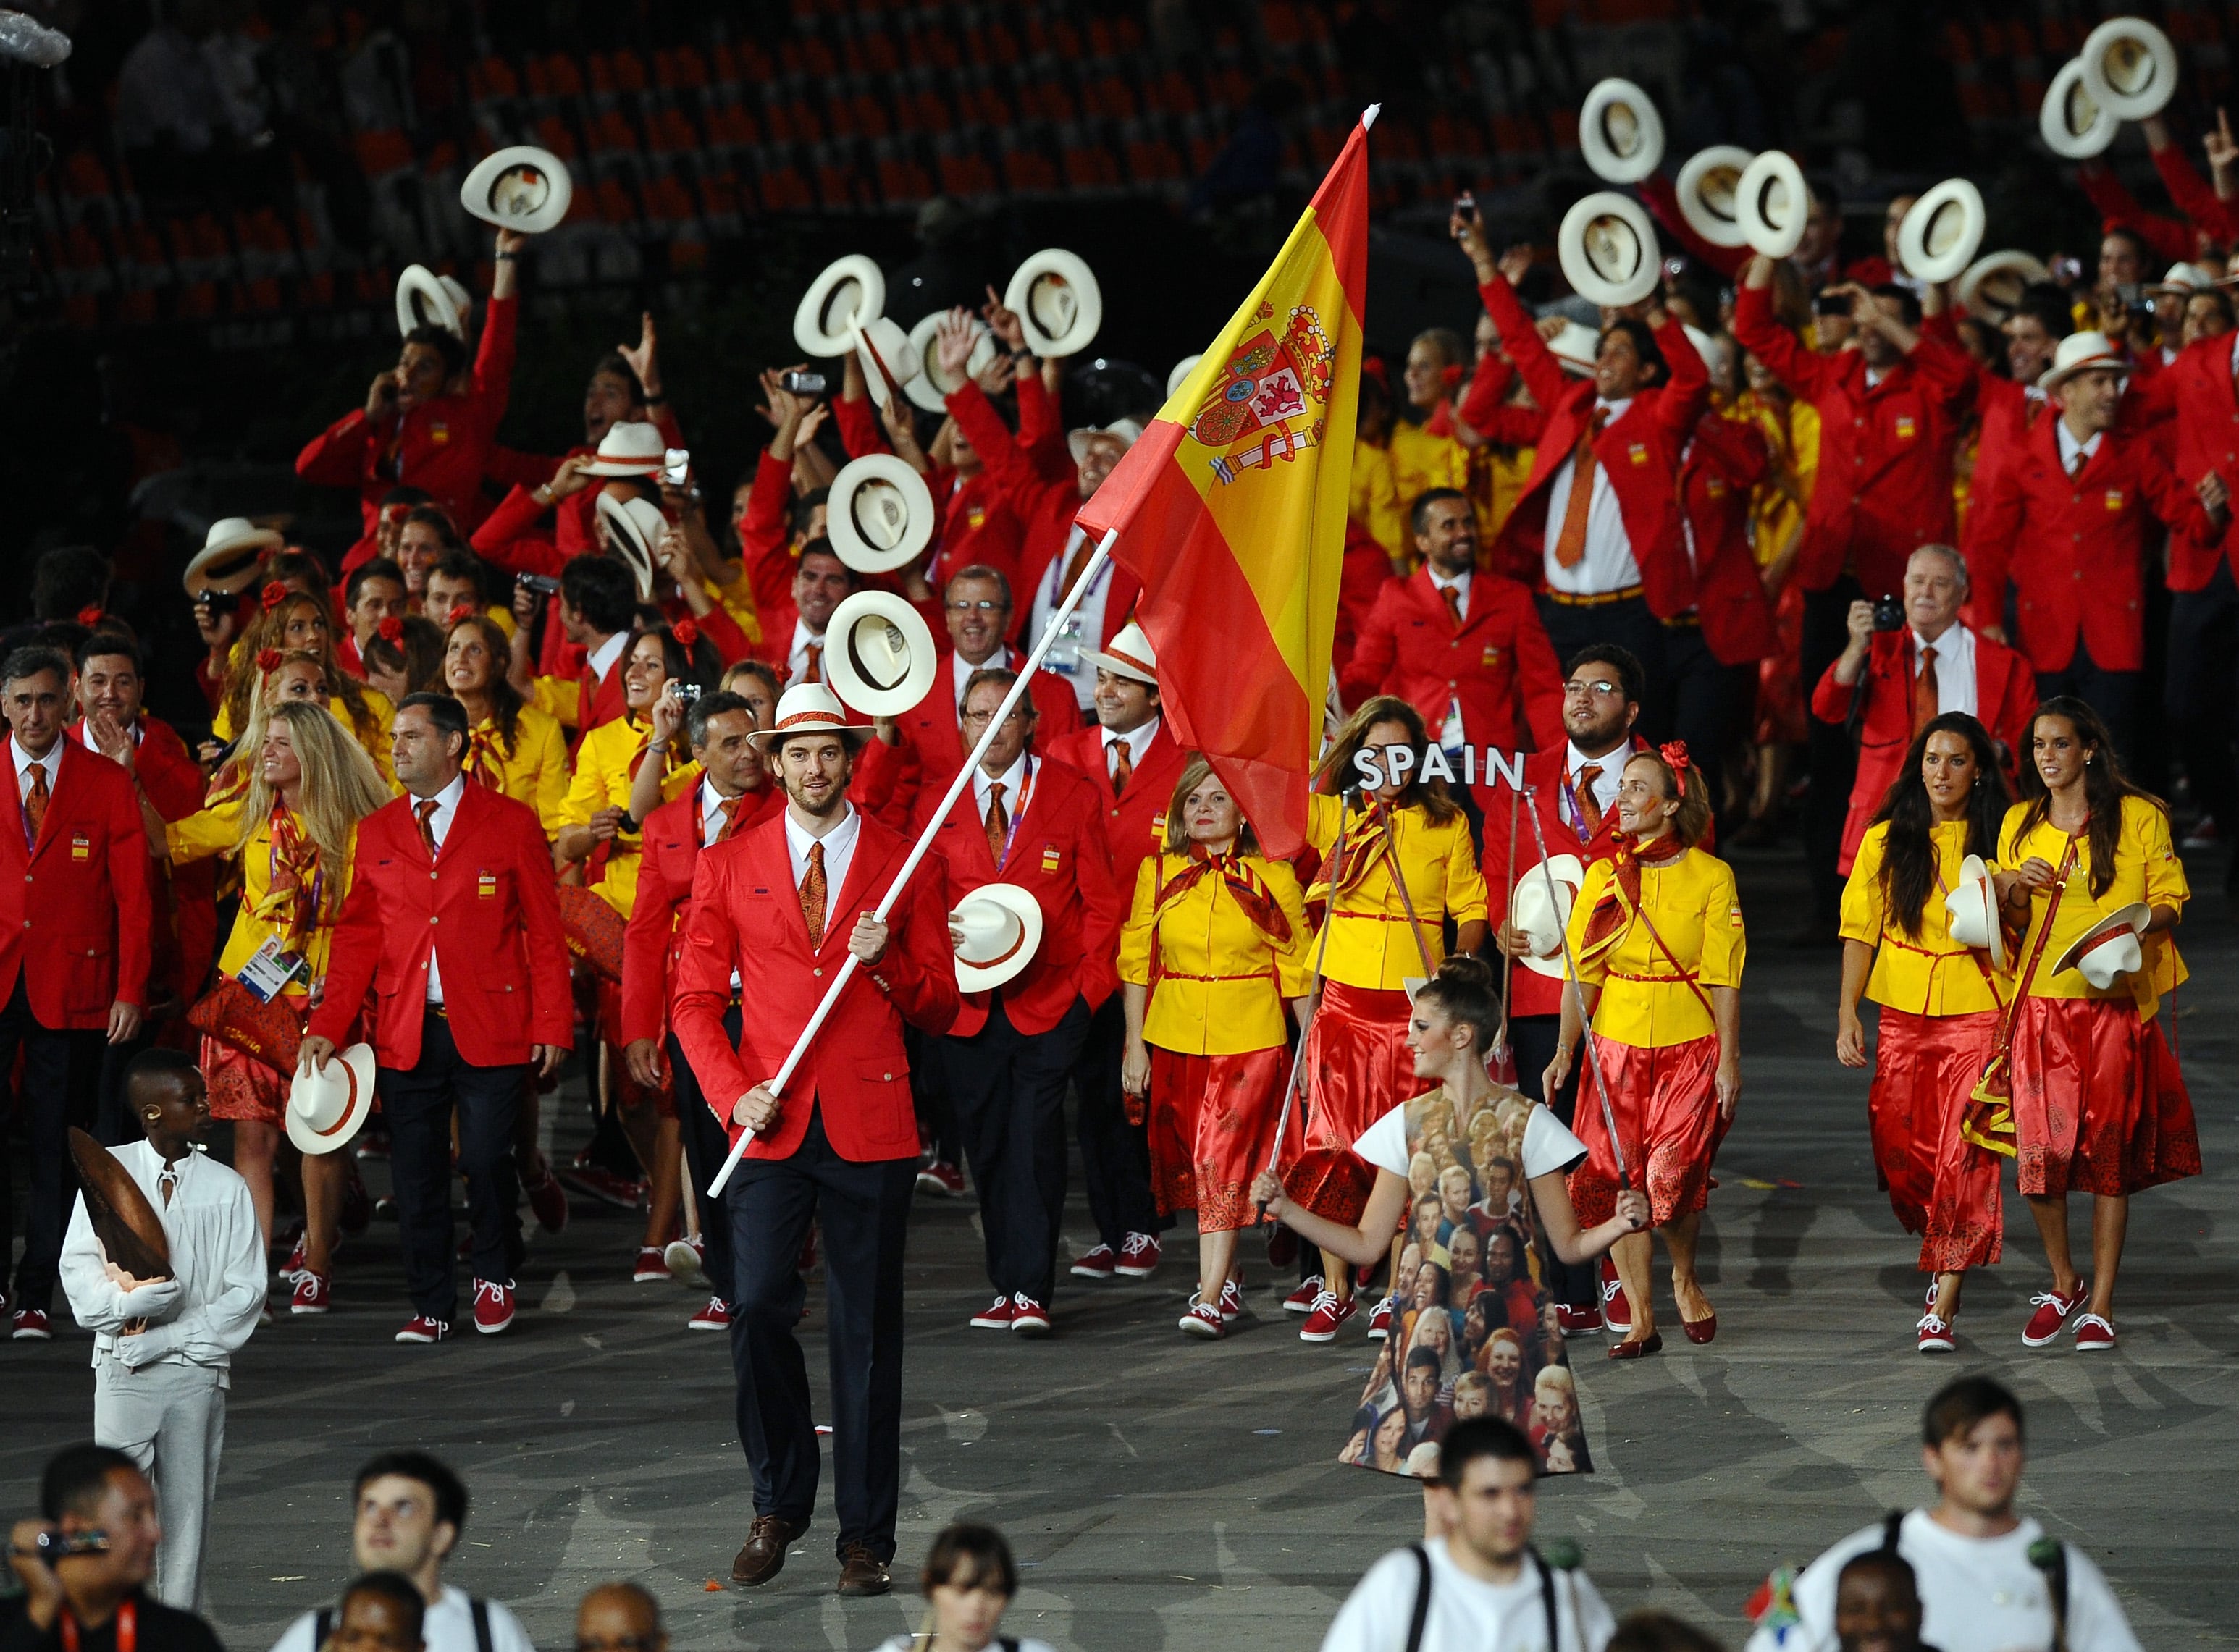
[1422,1617]
[480,1610]
[1890,1523]
[1547,1603]
[323,1624]
[2055,1582]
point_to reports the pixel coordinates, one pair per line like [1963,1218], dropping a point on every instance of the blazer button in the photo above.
[818,970]
[434,919]
[888,1076]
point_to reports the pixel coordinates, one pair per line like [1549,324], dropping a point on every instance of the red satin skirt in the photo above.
[241,1088]
[1358,1062]
[628,1092]
[1213,1128]
[1668,1125]
[2100,1106]
[1940,1185]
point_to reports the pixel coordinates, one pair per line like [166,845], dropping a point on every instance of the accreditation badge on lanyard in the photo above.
[1066,655]
[270,969]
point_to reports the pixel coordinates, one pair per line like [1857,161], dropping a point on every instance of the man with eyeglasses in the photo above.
[1574,785]
[410,1509]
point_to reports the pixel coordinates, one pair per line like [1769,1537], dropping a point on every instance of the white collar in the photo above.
[52,762]
[802,636]
[601,658]
[1953,639]
[961,670]
[1612,411]
[1448,581]
[840,836]
[2070,445]
[1137,740]
[1609,761]
[447,800]
[1010,780]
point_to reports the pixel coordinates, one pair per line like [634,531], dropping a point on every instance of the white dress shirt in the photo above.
[960,671]
[439,826]
[1955,668]
[1608,564]
[1458,583]
[601,659]
[839,850]
[52,762]
[1450,735]
[217,1257]
[796,658]
[1084,627]
[1605,783]
[1020,777]
[1137,740]
[2069,446]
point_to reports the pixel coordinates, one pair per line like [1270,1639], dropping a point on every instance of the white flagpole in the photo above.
[846,971]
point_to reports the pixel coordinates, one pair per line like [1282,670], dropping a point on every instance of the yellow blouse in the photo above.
[604,764]
[211,832]
[1502,473]
[1645,1002]
[1927,974]
[1421,461]
[535,770]
[1368,945]
[378,748]
[2146,869]
[1222,978]
[1794,439]
[1374,500]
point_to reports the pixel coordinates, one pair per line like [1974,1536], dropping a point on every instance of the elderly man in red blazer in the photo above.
[453,921]
[1135,756]
[1890,684]
[775,910]
[75,924]
[2072,519]
[1037,824]
[1462,644]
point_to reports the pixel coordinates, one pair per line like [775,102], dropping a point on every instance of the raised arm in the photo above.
[1755,330]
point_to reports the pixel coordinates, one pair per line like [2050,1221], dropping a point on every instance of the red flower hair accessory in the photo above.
[686,632]
[1451,377]
[1674,753]
[274,594]
[268,660]
[1373,366]
[90,615]
[392,629]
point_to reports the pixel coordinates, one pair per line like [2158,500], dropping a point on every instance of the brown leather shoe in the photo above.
[862,1574]
[763,1557]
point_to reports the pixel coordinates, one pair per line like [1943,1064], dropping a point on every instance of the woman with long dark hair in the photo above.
[512,746]
[2099,1106]
[1941,1002]
[1408,866]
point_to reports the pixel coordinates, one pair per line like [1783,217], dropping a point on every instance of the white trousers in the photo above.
[170,1418]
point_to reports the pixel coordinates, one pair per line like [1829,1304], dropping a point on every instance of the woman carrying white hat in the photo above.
[1942,999]
[2099,1105]
[293,836]
[1216,947]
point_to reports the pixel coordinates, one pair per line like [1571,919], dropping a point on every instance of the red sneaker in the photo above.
[1203,1320]
[941,1179]
[1934,1336]
[1329,1313]
[1379,1323]
[651,1266]
[421,1329]
[1578,1322]
[1029,1317]
[30,1326]
[1098,1264]
[686,1261]
[1231,1301]
[548,1200]
[1138,1256]
[293,1268]
[996,1315]
[2053,1311]
[2093,1334]
[716,1315]
[1301,1301]
[493,1306]
[314,1293]
[1617,1312]
[620,1192]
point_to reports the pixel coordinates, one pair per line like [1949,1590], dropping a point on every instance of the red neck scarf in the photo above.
[1613,913]
[1240,878]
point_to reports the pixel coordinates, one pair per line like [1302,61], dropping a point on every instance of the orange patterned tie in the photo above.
[812,896]
[998,824]
[813,671]
[1589,806]
[426,811]
[729,810]
[1123,765]
[1571,543]
[1454,596]
[35,806]
[1925,699]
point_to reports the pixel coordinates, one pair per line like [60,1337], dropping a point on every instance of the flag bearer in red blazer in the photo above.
[74,922]
[452,920]
[1037,825]
[775,910]
[736,790]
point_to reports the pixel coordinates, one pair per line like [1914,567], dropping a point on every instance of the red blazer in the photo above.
[1135,821]
[1058,855]
[655,935]
[2005,698]
[1723,464]
[1639,450]
[440,445]
[1497,662]
[75,921]
[2077,546]
[2195,393]
[2005,414]
[183,901]
[746,916]
[1884,486]
[487,910]
[889,780]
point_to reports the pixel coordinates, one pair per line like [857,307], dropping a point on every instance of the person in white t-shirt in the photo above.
[969,1582]
[1989,1581]
[1481,1586]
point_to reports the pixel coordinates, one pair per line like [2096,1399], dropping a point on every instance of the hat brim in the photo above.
[422,301]
[2012,260]
[2060,134]
[1752,204]
[1612,289]
[854,736]
[822,335]
[887,358]
[475,193]
[2134,918]
[847,675]
[650,466]
[883,470]
[358,1074]
[980,977]
[1087,302]
[1721,165]
[1600,150]
[1953,194]
[1974,870]
[2052,378]
[1119,668]
[627,535]
[2150,49]
[931,388]
[215,566]
[1568,870]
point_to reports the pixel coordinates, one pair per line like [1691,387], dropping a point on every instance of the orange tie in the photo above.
[813,670]
[1590,807]
[729,808]
[998,824]
[35,806]
[1571,543]
[812,896]
[1924,698]
[1077,566]
[1454,596]
[426,811]
[1123,765]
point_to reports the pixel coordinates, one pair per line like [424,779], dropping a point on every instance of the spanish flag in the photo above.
[1231,510]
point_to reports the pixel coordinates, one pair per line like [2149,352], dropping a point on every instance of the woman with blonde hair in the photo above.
[293,835]
[1213,966]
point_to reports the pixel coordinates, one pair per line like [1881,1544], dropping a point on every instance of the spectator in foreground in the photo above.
[1660,1632]
[85,1560]
[380,1612]
[620,1617]
[1488,1588]
[410,1511]
[968,1580]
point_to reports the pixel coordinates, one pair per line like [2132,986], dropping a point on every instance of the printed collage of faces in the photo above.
[1474,1332]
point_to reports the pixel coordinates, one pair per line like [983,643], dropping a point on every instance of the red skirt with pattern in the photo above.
[1213,1127]
[1358,1062]
[1940,1185]
[241,1088]
[2099,1105]
[1668,1125]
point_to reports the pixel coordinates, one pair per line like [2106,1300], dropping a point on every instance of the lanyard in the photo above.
[128,1627]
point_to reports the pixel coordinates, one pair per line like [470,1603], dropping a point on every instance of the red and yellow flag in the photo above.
[1231,510]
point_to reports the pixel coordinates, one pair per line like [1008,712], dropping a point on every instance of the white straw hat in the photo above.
[1971,912]
[879,515]
[228,559]
[423,300]
[1001,925]
[1706,191]
[522,189]
[1771,204]
[1128,655]
[633,529]
[879,655]
[1608,250]
[2108,950]
[2074,125]
[1941,234]
[327,1107]
[809,708]
[849,293]
[1057,303]
[1620,134]
[630,448]
[886,355]
[2129,68]
[1542,919]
